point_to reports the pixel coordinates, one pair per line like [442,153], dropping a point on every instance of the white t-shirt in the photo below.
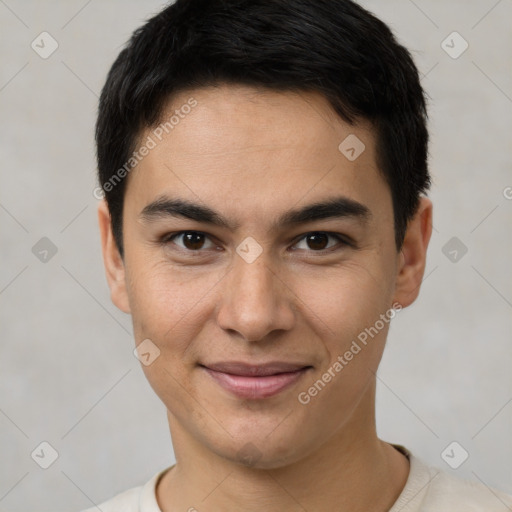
[427,490]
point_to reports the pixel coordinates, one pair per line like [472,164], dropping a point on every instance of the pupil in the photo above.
[191,240]
[317,241]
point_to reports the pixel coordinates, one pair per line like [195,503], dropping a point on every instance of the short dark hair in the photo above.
[334,47]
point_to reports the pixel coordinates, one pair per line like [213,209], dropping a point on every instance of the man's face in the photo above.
[259,291]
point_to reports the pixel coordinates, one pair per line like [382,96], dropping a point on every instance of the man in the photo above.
[264,165]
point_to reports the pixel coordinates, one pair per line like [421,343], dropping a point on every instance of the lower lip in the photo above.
[256,387]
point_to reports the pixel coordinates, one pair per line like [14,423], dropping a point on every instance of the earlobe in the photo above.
[413,254]
[114,265]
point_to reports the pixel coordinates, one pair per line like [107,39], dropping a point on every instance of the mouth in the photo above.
[255,381]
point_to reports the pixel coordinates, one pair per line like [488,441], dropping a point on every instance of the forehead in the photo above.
[256,148]
[233,118]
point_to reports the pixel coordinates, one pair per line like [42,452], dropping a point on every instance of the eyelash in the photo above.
[343,241]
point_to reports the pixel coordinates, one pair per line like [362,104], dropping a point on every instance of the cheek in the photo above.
[169,305]
[346,306]
[344,301]
[168,308]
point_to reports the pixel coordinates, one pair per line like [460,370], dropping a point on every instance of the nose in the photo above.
[255,301]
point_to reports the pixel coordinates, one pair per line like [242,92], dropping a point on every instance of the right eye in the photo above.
[191,241]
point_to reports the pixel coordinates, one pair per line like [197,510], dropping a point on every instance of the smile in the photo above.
[255,382]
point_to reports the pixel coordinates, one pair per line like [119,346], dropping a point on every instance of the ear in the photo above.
[413,254]
[114,265]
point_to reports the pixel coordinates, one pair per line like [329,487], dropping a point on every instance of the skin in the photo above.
[253,154]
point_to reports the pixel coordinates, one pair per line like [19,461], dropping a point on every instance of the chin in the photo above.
[259,450]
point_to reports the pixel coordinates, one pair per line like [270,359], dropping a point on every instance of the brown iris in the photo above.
[193,241]
[317,241]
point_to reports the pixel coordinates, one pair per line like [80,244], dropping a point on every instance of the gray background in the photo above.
[68,375]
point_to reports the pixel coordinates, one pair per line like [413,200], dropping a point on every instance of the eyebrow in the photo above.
[334,208]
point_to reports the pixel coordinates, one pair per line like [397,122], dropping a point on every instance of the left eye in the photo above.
[319,240]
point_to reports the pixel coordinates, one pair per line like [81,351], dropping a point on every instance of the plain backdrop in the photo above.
[68,374]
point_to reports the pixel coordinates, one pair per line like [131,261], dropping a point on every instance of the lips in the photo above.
[255,381]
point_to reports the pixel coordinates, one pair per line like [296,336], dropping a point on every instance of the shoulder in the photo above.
[447,492]
[127,501]
[136,499]
[429,489]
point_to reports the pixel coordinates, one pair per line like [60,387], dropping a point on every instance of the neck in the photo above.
[352,471]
